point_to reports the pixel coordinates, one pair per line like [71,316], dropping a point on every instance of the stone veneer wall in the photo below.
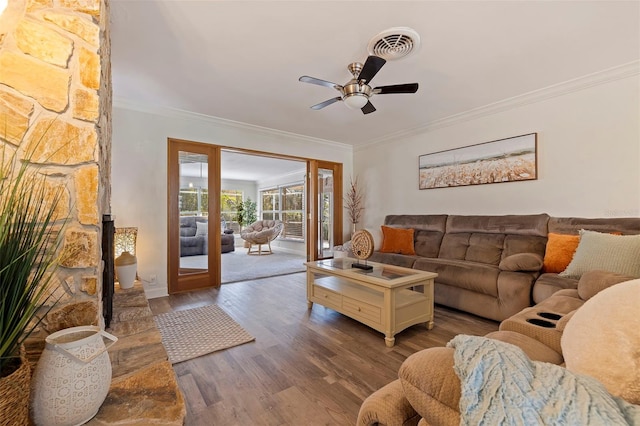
[55,101]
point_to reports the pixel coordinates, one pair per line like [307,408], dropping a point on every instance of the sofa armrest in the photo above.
[593,282]
[431,385]
[521,262]
[387,407]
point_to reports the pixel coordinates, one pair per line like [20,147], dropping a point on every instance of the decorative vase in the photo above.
[72,377]
[14,394]
[126,268]
[353,229]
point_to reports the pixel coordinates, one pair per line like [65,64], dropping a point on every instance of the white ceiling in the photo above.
[241,60]
[241,166]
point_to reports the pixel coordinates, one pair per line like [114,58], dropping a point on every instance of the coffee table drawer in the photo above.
[360,309]
[328,296]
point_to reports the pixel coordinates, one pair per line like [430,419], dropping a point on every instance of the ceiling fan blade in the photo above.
[371,68]
[313,80]
[368,108]
[325,103]
[396,88]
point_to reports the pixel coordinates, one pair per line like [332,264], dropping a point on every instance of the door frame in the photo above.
[212,278]
[313,207]
[180,282]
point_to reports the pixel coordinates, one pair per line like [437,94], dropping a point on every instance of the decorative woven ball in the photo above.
[362,244]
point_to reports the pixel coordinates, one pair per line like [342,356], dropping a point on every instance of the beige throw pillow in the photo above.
[601,340]
[607,252]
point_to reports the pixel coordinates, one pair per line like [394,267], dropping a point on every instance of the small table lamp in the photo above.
[125,255]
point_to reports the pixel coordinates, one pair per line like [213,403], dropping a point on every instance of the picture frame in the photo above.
[504,160]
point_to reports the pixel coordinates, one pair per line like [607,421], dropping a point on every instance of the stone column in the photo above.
[55,107]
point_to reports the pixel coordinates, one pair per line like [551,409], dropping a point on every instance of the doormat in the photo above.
[195,332]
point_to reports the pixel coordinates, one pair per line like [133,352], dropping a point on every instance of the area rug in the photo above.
[195,332]
[239,266]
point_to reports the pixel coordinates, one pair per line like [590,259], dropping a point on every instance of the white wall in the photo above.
[139,170]
[249,188]
[588,159]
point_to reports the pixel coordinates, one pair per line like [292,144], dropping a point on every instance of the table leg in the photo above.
[309,304]
[390,341]
[429,325]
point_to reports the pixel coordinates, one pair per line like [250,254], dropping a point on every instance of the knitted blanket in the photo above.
[502,386]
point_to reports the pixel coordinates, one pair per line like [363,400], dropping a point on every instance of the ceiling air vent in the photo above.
[394,43]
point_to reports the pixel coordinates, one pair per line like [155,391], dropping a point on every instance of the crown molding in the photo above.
[627,70]
[222,122]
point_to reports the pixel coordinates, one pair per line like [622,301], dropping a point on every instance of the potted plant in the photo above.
[240,214]
[249,211]
[28,258]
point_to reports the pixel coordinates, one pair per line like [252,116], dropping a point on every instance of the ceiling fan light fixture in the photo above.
[355,101]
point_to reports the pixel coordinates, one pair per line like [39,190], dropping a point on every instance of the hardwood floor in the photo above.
[311,367]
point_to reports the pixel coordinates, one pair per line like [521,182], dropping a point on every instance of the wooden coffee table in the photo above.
[387,298]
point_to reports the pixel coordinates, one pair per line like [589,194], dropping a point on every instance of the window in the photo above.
[229,199]
[285,203]
[293,211]
[194,202]
[270,204]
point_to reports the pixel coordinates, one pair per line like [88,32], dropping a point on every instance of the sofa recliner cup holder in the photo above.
[541,322]
[550,315]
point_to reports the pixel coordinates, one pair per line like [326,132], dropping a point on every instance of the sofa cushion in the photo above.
[428,222]
[514,244]
[427,243]
[593,282]
[485,248]
[598,251]
[397,240]
[548,284]
[478,277]
[454,246]
[559,252]
[187,226]
[602,340]
[535,225]
[572,225]
[526,262]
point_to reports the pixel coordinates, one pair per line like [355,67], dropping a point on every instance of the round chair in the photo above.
[261,232]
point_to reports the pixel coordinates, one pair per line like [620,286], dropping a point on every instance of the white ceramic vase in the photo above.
[126,268]
[72,378]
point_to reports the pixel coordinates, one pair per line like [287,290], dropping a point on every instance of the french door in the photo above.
[193,216]
[325,207]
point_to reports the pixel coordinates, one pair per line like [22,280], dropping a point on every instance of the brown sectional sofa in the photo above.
[428,391]
[491,266]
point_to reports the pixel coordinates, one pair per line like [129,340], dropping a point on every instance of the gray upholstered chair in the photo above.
[261,232]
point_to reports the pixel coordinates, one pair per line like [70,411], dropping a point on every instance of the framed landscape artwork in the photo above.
[505,160]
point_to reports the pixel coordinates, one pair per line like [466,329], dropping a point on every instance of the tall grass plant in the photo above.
[30,236]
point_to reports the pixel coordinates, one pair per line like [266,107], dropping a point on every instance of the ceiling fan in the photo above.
[357,91]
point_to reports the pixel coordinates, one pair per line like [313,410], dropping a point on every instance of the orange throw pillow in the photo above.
[559,252]
[397,240]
